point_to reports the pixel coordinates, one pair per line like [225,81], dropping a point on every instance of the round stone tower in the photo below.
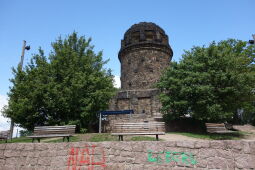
[144,53]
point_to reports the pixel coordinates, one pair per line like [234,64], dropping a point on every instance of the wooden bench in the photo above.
[217,128]
[4,135]
[143,128]
[53,131]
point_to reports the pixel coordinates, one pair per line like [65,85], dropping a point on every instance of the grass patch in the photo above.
[100,137]
[143,138]
[108,137]
[29,140]
[227,136]
[18,140]
[71,139]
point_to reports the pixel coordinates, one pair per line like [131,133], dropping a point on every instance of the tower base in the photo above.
[145,103]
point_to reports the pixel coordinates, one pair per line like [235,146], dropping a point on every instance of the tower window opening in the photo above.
[136,36]
[149,35]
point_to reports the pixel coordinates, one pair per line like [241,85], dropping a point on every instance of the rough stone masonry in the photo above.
[128,155]
[144,54]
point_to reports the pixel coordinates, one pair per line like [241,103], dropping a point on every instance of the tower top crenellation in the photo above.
[145,34]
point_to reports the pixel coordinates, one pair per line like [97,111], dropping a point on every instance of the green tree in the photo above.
[69,86]
[210,83]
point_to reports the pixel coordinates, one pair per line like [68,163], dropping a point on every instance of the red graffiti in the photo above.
[85,156]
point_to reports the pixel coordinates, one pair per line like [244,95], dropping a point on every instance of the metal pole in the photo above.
[253,35]
[17,133]
[100,125]
[19,67]
[22,54]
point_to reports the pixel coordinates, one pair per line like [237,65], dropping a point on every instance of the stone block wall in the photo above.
[128,155]
[141,101]
[141,69]
[145,104]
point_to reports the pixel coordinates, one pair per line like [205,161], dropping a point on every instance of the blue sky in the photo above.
[186,22]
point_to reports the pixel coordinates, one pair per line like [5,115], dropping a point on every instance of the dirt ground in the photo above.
[249,129]
[248,135]
[176,137]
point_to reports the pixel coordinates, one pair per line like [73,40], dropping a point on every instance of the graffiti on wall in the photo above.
[89,156]
[170,156]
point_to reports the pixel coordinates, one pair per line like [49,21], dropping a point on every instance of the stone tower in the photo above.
[144,54]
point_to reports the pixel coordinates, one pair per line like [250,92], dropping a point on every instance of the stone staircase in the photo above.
[132,118]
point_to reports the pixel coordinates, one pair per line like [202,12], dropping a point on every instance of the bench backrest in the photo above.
[142,127]
[4,134]
[215,127]
[47,130]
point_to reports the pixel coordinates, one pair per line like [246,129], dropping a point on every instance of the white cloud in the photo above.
[117,81]
[5,122]
[4,125]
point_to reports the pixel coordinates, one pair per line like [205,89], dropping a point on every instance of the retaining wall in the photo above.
[129,155]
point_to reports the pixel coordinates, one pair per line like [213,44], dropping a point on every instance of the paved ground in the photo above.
[175,137]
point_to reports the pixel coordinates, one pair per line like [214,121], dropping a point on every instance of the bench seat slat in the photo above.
[138,129]
[66,126]
[138,124]
[47,136]
[53,130]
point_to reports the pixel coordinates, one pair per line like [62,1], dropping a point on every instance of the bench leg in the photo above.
[33,140]
[67,138]
[120,137]
[64,139]
[157,137]
[38,140]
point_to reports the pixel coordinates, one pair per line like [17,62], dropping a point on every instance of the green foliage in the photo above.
[25,133]
[210,83]
[69,86]
[83,130]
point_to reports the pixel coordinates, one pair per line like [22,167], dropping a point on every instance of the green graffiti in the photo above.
[188,158]
[156,158]
[184,157]
[172,156]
